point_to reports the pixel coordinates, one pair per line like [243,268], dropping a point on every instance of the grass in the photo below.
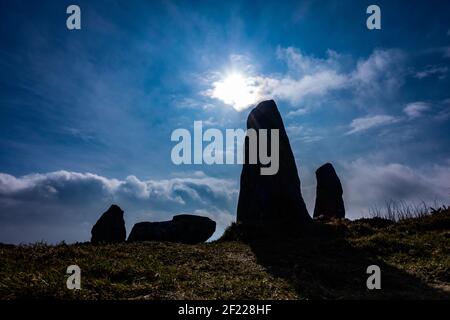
[401,210]
[321,261]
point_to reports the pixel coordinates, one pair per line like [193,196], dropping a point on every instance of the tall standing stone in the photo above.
[329,202]
[110,227]
[265,199]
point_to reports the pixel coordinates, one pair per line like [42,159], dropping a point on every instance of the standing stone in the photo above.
[267,199]
[110,227]
[329,202]
[184,228]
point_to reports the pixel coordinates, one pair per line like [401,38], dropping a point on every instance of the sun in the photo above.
[237,90]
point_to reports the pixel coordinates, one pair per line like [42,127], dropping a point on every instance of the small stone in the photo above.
[329,202]
[110,227]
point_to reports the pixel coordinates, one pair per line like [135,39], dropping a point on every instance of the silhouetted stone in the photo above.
[110,227]
[329,202]
[266,199]
[182,228]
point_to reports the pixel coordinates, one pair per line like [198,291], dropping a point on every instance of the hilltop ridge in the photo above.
[324,261]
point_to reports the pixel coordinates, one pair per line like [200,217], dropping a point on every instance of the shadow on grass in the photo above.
[322,264]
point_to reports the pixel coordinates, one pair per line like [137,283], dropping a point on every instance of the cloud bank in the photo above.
[368,183]
[64,205]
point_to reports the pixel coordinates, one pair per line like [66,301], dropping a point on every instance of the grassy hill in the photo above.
[324,261]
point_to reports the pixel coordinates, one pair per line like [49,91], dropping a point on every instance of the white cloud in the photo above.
[368,122]
[64,205]
[309,76]
[302,134]
[376,81]
[378,66]
[298,112]
[367,184]
[300,64]
[294,90]
[306,76]
[73,201]
[416,109]
[439,71]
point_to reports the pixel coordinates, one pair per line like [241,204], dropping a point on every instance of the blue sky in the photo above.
[86,115]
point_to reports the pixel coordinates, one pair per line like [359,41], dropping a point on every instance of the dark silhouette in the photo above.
[318,258]
[329,202]
[269,199]
[110,228]
[321,262]
[184,228]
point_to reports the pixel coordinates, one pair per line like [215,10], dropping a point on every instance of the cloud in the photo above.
[73,201]
[294,90]
[371,183]
[444,113]
[368,122]
[64,205]
[302,134]
[308,76]
[376,80]
[416,109]
[298,112]
[380,66]
[439,71]
[301,64]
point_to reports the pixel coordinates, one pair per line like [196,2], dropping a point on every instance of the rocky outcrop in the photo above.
[329,202]
[184,228]
[110,228]
[266,199]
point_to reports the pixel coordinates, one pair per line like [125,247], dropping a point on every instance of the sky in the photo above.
[86,115]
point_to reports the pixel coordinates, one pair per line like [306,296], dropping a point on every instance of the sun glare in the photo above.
[236,90]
